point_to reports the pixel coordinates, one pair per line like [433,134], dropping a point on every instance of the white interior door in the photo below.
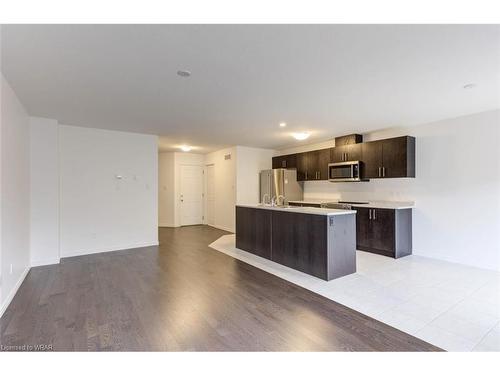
[210,194]
[191,196]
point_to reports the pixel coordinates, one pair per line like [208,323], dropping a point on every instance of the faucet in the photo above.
[264,198]
[276,200]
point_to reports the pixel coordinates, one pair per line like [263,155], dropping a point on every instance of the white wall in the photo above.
[166,189]
[456,189]
[100,212]
[44,191]
[15,192]
[225,187]
[249,162]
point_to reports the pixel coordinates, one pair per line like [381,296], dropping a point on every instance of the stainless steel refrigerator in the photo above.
[280,183]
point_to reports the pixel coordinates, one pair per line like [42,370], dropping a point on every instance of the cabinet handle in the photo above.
[346,156]
[379,171]
[374,216]
[383,171]
[319,175]
[369,214]
[306,175]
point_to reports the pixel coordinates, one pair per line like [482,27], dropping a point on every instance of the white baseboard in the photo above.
[107,249]
[45,262]
[165,225]
[13,292]
[221,227]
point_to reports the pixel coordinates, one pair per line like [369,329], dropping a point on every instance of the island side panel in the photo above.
[403,231]
[341,245]
[299,241]
[253,231]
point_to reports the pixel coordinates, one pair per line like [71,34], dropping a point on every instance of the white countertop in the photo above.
[302,210]
[371,204]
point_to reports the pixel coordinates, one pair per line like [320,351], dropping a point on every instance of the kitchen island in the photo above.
[317,241]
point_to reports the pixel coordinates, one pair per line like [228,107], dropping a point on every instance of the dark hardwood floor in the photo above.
[183,296]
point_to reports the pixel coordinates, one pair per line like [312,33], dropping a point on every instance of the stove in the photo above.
[342,205]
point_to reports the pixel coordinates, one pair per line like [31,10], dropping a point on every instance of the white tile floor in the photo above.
[452,306]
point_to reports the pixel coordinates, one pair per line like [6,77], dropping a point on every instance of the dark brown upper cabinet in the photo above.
[302,161]
[389,158]
[285,161]
[346,153]
[313,165]
[322,166]
[348,139]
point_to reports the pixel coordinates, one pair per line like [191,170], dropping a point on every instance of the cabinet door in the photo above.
[396,157]
[346,153]
[291,161]
[302,161]
[371,156]
[312,165]
[278,162]
[299,241]
[253,231]
[323,160]
[383,230]
[363,227]
[338,154]
[353,152]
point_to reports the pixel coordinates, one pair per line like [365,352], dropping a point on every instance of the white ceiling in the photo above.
[246,79]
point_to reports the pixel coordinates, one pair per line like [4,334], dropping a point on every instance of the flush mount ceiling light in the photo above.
[470,86]
[300,136]
[184,73]
[186,148]
[282,124]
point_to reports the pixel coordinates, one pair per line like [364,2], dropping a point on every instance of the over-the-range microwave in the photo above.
[346,171]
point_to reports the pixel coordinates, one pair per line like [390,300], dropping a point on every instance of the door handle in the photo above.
[369,214]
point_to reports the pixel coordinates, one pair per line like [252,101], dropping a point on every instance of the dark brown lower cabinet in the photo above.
[254,228]
[319,245]
[384,231]
[300,242]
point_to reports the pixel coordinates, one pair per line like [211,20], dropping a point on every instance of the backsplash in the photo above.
[375,190]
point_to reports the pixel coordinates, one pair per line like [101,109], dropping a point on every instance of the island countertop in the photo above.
[301,210]
[394,205]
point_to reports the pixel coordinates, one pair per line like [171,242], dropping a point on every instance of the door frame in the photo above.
[205,190]
[179,205]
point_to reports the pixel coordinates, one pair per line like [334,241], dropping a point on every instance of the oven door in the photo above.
[344,172]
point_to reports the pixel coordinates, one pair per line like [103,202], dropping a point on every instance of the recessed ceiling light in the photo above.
[282,124]
[301,136]
[186,148]
[184,73]
[470,86]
